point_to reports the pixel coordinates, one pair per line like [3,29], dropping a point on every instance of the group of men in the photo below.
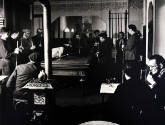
[20,57]
[16,47]
[136,101]
[128,50]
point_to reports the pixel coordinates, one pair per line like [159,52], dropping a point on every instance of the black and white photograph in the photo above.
[82,62]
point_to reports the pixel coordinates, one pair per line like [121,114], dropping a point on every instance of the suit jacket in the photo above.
[5,57]
[128,101]
[132,47]
[23,74]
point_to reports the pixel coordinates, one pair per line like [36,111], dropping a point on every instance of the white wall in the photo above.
[86,8]
[159,44]
[135,10]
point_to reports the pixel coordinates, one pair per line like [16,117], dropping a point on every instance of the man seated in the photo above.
[23,74]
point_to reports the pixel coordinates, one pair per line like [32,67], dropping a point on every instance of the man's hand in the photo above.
[151,80]
[42,75]
[33,47]
[16,51]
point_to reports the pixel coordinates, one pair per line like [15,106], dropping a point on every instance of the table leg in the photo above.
[82,82]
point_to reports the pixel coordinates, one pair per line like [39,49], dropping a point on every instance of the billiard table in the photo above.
[70,66]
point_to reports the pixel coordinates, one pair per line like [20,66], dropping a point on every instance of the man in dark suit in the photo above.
[120,44]
[127,100]
[22,98]
[154,112]
[100,65]
[38,41]
[133,42]
[142,103]
[5,52]
[26,46]
[23,74]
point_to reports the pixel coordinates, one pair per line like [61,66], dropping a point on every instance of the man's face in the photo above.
[121,36]
[40,32]
[15,35]
[27,35]
[153,66]
[102,39]
[129,31]
[5,36]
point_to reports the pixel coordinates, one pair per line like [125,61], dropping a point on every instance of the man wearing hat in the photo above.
[23,74]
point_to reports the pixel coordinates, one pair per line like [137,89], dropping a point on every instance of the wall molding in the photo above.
[90,4]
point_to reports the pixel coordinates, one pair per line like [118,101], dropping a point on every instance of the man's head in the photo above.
[35,57]
[132,29]
[131,71]
[121,35]
[40,32]
[156,63]
[4,33]
[15,34]
[26,33]
[96,32]
[103,37]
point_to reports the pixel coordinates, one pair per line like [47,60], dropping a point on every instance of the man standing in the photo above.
[132,47]
[6,55]
[5,52]
[101,62]
[38,41]
[120,44]
[26,45]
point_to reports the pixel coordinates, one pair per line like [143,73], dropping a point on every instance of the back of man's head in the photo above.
[35,57]
[131,70]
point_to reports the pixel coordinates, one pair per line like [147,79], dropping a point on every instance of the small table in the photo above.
[39,90]
[42,96]
[107,89]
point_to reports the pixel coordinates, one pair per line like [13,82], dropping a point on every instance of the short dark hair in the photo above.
[96,31]
[122,33]
[159,59]
[104,35]
[35,57]
[132,27]
[5,30]
[132,70]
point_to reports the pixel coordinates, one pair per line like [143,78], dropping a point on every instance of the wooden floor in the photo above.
[74,108]
[71,107]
